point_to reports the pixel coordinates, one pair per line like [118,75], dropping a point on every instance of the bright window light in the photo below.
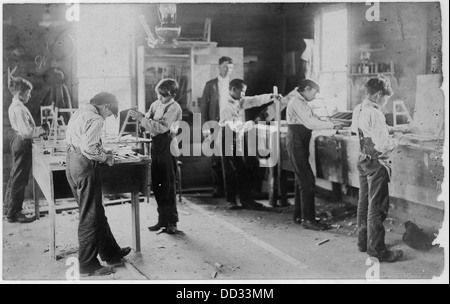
[333,57]
[104,36]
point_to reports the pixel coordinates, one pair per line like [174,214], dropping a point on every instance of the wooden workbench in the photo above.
[49,175]
[417,172]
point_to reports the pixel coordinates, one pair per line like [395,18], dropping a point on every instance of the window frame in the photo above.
[318,48]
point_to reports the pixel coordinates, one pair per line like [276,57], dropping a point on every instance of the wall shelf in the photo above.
[370,74]
[354,77]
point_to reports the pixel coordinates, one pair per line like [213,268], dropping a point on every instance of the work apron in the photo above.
[94,234]
[20,172]
[164,167]
[373,202]
[297,144]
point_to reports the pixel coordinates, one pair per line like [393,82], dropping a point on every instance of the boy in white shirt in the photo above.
[25,130]
[233,151]
[301,122]
[374,169]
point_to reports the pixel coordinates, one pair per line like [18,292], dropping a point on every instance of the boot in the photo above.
[391,256]
[157,227]
[171,228]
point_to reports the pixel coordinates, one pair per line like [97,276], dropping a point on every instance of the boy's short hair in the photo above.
[103,98]
[19,85]
[308,83]
[379,84]
[225,58]
[237,84]
[167,86]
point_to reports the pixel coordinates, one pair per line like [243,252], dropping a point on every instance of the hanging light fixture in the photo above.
[168,31]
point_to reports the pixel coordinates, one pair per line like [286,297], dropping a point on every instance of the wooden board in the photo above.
[429,113]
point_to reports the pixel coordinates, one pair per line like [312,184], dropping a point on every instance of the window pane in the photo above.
[334,40]
[333,76]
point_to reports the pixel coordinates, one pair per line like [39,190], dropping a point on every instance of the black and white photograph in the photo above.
[216,142]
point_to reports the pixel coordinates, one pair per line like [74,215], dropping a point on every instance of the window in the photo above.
[104,43]
[331,33]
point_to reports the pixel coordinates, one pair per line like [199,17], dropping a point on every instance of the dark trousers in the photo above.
[164,166]
[20,172]
[373,205]
[237,177]
[94,234]
[216,166]
[297,144]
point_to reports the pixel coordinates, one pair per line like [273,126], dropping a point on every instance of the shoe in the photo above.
[22,219]
[233,205]
[171,228]
[391,256]
[314,225]
[117,261]
[157,227]
[362,248]
[124,251]
[285,204]
[298,220]
[102,271]
[251,204]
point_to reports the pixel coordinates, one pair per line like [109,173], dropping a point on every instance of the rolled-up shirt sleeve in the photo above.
[90,141]
[380,134]
[169,121]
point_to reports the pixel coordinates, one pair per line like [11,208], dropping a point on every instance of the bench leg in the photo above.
[136,232]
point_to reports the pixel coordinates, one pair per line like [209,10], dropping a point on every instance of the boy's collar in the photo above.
[301,96]
[369,102]
[17,100]
[92,108]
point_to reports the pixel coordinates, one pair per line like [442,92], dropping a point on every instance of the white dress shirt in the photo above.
[372,122]
[21,120]
[300,113]
[84,130]
[224,92]
[231,114]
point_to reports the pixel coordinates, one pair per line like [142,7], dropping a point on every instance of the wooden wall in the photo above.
[258,28]
[404,32]
[255,27]
[266,31]
[23,40]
